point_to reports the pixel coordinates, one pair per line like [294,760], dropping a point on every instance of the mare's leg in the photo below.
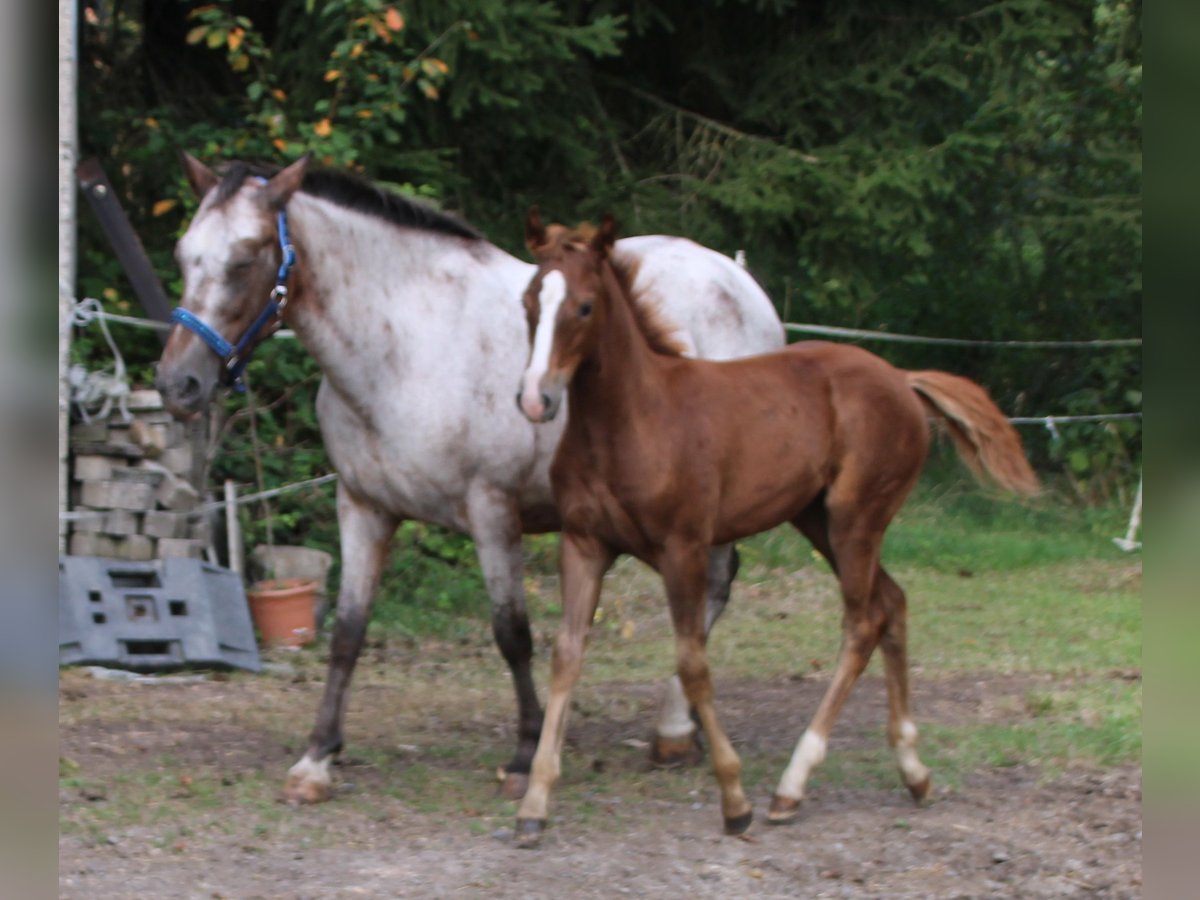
[851,541]
[902,733]
[496,528]
[676,741]
[684,570]
[366,533]
[582,564]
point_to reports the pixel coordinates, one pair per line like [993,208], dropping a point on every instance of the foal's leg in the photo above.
[582,564]
[676,741]
[684,570]
[902,733]
[852,545]
[366,534]
[496,528]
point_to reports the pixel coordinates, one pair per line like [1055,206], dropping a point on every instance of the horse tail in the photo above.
[985,440]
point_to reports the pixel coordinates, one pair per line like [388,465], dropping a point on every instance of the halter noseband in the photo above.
[234,357]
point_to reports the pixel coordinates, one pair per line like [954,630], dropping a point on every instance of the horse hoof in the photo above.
[668,753]
[783,810]
[299,791]
[529,833]
[739,824]
[920,790]
[513,785]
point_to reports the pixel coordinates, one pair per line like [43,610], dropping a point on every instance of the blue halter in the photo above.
[235,357]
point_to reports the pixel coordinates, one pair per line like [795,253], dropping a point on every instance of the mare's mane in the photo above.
[659,332]
[351,192]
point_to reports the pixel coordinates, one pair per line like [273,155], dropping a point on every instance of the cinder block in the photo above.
[95,432]
[161,523]
[175,493]
[117,495]
[92,467]
[136,547]
[144,399]
[151,438]
[175,547]
[91,521]
[121,522]
[142,473]
[198,530]
[178,460]
[84,543]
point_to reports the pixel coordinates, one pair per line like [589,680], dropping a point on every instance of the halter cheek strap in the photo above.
[235,357]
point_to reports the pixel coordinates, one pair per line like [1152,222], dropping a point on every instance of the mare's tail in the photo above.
[985,440]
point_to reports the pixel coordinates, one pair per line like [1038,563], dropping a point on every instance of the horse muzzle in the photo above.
[185,395]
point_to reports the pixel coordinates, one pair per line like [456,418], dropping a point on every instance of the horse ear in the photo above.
[199,176]
[605,235]
[535,231]
[279,190]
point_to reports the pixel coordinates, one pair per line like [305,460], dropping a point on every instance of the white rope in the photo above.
[97,313]
[1051,421]
[274,492]
[835,331]
[100,388]
[1127,543]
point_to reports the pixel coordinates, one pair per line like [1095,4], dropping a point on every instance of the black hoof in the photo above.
[739,824]
[920,791]
[529,832]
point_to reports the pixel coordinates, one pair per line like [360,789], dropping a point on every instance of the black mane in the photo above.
[355,193]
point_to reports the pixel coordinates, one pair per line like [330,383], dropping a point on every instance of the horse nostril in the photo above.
[189,388]
[546,401]
[519,400]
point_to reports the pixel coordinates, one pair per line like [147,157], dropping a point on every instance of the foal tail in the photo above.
[983,437]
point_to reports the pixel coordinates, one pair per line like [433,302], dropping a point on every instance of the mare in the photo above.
[414,320]
[665,456]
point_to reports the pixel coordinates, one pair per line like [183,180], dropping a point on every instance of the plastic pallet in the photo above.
[164,614]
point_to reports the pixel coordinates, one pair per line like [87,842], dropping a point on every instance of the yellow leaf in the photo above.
[627,629]
[240,63]
[394,20]
[430,91]
[333,75]
[323,128]
[196,35]
[151,122]
[364,113]
[280,144]
[440,65]
[162,206]
[236,37]
[374,76]
[356,50]
[279,95]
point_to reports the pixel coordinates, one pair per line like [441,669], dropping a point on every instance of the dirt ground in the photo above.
[173,784]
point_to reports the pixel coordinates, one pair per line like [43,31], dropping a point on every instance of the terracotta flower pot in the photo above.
[282,609]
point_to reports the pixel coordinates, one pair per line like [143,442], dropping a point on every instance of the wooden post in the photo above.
[233,532]
[67,153]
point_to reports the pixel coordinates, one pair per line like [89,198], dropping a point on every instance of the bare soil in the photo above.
[169,791]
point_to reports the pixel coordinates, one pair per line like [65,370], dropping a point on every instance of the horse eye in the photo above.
[585,310]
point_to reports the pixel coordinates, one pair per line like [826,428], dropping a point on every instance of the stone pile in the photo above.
[135,484]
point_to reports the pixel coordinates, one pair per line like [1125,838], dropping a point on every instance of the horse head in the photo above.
[230,257]
[563,306]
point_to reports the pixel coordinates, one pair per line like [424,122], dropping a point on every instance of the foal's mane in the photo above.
[352,192]
[658,331]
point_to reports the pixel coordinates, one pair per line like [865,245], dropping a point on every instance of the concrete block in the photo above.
[121,523]
[198,530]
[95,432]
[169,548]
[136,547]
[92,467]
[91,521]
[179,460]
[175,493]
[107,448]
[91,544]
[117,495]
[151,438]
[144,399]
[143,472]
[161,523]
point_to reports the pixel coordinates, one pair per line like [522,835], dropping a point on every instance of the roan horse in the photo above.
[665,456]
[414,320]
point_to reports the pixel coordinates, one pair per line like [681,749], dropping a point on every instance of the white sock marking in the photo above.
[312,771]
[810,751]
[911,767]
[674,720]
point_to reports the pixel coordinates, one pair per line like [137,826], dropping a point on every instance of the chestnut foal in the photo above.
[664,456]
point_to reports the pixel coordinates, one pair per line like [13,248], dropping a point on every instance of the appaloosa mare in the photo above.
[415,321]
[664,457]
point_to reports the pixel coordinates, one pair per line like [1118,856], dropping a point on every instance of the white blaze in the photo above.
[554,291]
